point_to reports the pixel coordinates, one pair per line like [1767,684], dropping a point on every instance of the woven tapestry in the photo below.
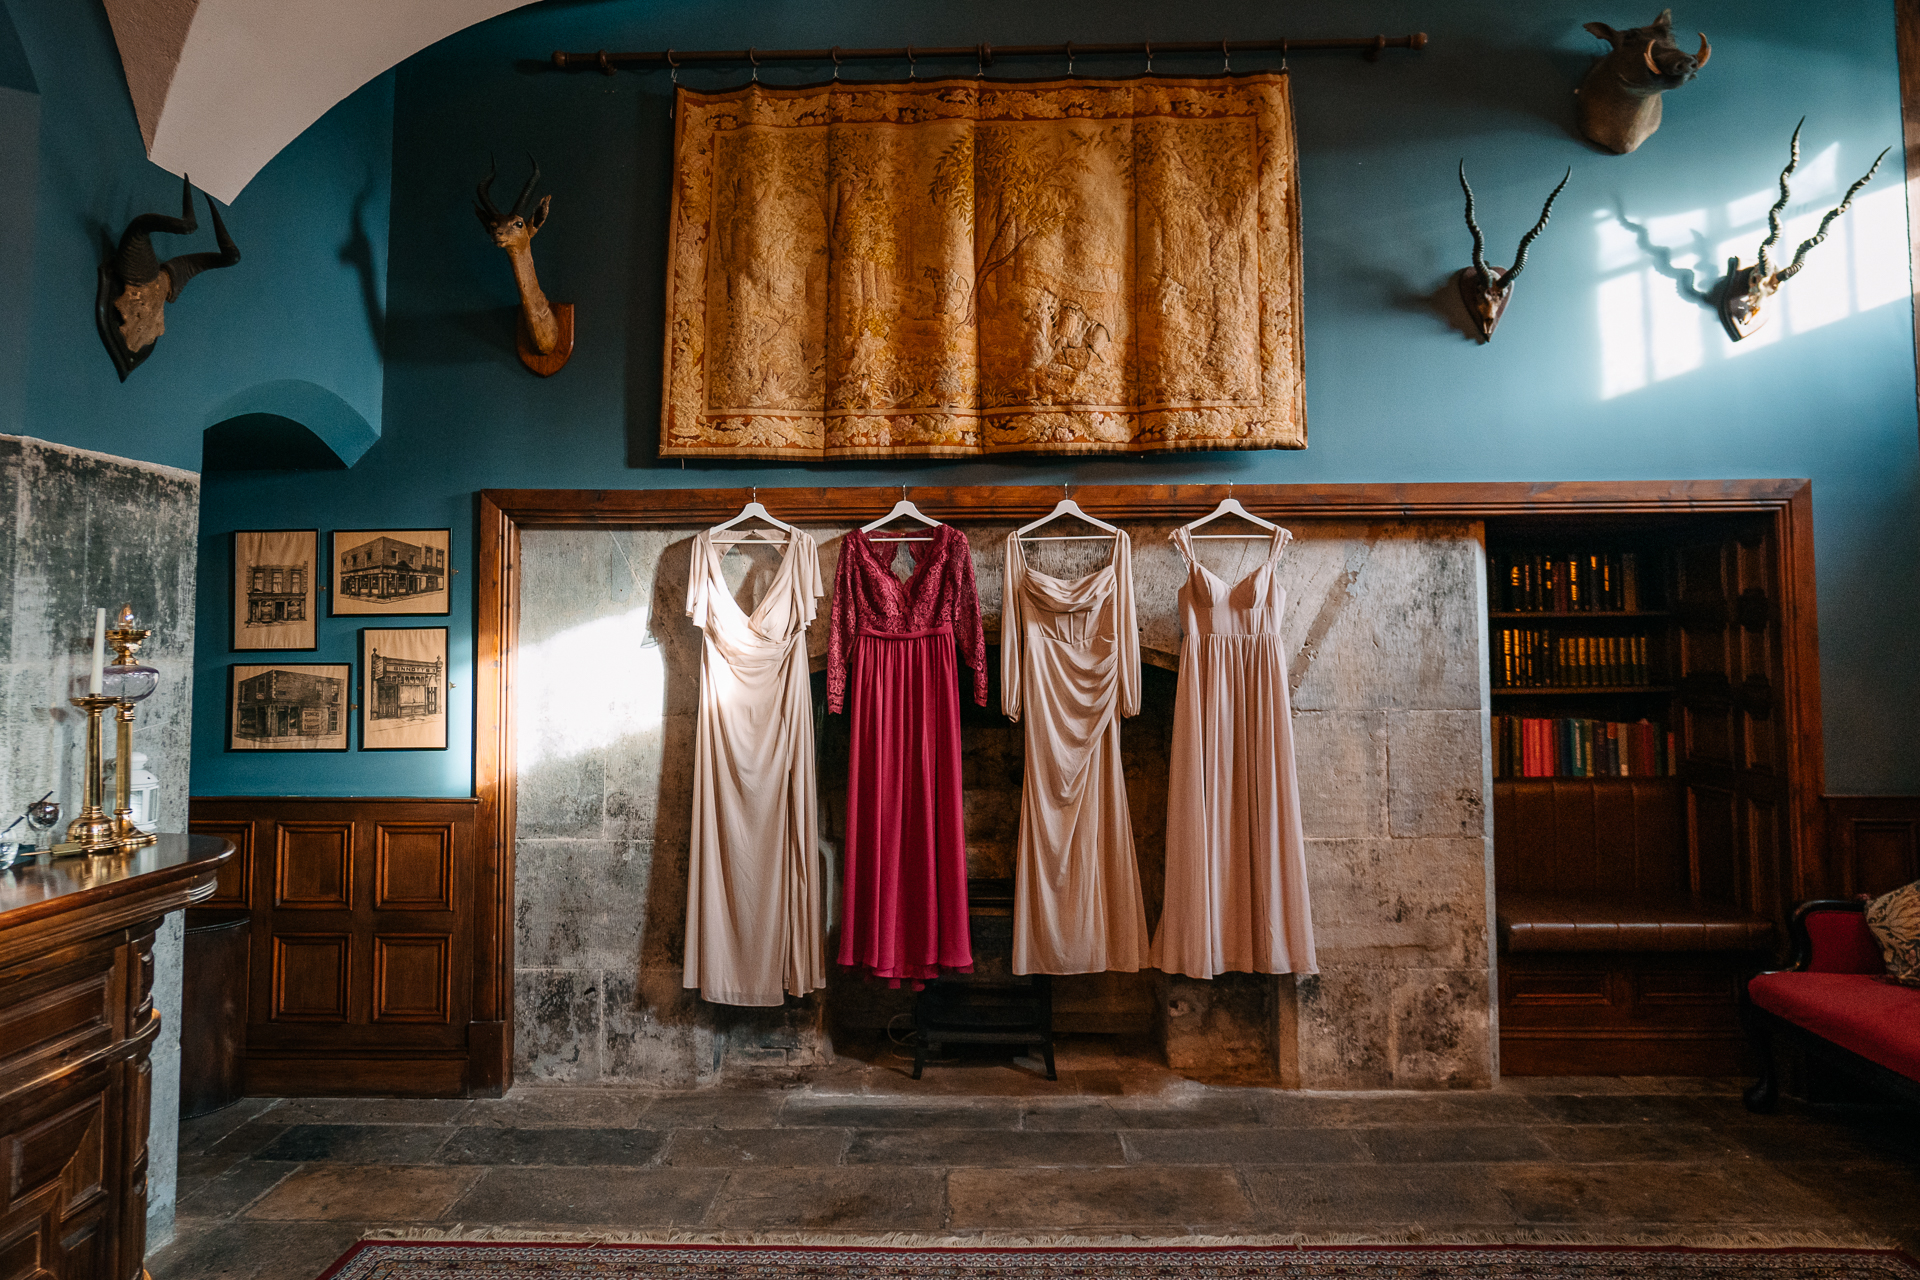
[950,268]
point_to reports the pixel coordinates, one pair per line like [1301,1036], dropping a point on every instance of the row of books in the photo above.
[1539,657]
[1601,582]
[1570,747]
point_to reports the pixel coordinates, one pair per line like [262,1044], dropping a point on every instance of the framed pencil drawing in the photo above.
[273,588]
[274,706]
[388,572]
[403,689]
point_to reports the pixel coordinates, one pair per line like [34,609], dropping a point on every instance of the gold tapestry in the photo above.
[949,268]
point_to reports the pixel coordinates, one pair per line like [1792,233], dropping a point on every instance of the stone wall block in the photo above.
[1364,1027]
[1434,773]
[657,1032]
[1399,903]
[580,905]
[561,797]
[1341,760]
[1226,1024]
[556,1026]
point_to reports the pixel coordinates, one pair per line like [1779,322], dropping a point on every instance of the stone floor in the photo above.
[276,1189]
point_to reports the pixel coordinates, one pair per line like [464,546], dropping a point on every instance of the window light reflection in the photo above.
[1657,273]
[588,687]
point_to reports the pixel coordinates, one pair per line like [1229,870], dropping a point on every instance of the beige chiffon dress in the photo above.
[1236,859]
[754,922]
[1069,670]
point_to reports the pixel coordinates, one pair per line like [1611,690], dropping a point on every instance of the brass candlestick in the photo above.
[93,830]
[132,682]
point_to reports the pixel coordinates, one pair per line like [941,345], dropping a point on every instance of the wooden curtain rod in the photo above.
[983,54]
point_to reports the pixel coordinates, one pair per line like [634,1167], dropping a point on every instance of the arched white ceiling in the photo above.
[220,86]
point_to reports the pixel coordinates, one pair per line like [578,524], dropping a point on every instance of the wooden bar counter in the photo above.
[77,1026]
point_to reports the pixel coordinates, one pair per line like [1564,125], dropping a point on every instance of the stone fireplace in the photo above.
[1385,625]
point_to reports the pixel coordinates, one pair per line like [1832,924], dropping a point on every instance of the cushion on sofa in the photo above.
[1895,921]
[1874,1018]
[1842,943]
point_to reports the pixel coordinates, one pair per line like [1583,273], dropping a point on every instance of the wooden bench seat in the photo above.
[1544,922]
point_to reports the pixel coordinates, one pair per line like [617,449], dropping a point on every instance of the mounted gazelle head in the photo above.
[545,339]
[1746,288]
[1485,290]
[1620,98]
[136,286]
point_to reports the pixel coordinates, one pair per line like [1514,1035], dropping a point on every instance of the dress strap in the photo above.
[1281,538]
[1183,539]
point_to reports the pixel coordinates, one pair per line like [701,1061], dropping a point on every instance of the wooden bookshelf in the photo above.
[1630,909]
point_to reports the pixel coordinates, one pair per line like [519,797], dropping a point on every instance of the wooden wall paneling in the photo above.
[496,634]
[234,891]
[363,965]
[1875,844]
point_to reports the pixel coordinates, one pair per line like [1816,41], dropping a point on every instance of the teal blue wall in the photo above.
[298,320]
[1394,394]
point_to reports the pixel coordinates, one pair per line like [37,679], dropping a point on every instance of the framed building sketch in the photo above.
[390,572]
[273,588]
[403,689]
[288,706]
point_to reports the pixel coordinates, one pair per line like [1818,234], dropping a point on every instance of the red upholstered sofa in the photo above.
[1834,1004]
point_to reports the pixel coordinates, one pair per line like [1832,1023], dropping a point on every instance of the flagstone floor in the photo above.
[276,1189]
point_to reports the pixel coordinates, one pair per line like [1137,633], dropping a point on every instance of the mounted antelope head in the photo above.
[1620,98]
[1485,290]
[135,286]
[1746,288]
[545,331]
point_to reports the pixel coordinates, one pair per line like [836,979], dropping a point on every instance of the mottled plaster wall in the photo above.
[85,531]
[1384,629]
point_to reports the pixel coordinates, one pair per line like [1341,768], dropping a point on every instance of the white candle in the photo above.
[99,650]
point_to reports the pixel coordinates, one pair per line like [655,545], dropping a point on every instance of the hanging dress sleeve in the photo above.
[843,622]
[1126,626]
[968,631]
[809,570]
[697,577]
[1012,626]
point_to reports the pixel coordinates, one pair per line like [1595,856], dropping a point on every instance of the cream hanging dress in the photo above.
[1070,669]
[1236,860]
[754,924]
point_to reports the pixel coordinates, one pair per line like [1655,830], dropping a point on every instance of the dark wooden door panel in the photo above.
[313,867]
[363,961]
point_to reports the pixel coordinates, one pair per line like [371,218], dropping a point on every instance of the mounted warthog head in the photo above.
[135,286]
[1746,288]
[1620,98]
[1485,290]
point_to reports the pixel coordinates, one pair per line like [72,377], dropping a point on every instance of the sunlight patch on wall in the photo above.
[588,687]
[1658,274]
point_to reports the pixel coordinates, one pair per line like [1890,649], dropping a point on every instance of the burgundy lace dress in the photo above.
[904,906]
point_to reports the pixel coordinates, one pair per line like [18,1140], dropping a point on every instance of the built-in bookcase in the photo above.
[1638,829]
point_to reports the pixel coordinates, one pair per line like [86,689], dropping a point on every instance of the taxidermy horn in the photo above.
[1620,96]
[1745,290]
[1486,290]
[135,286]
[544,330]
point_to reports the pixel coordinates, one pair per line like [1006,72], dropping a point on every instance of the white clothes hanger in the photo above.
[1068,507]
[900,509]
[752,511]
[1230,506]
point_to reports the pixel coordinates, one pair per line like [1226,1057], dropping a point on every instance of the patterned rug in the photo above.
[505,1260]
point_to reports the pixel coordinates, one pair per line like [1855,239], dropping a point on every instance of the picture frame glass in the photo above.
[282,706]
[403,689]
[273,589]
[389,572]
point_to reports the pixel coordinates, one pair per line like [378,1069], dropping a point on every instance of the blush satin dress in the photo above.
[1070,669]
[1236,858]
[904,897]
[754,924]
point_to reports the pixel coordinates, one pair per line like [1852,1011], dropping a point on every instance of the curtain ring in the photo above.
[985,55]
[835,51]
[673,75]
[1283,57]
[753,56]
[1069,72]
[913,68]
[1226,60]
[1149,58]
[606,68]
